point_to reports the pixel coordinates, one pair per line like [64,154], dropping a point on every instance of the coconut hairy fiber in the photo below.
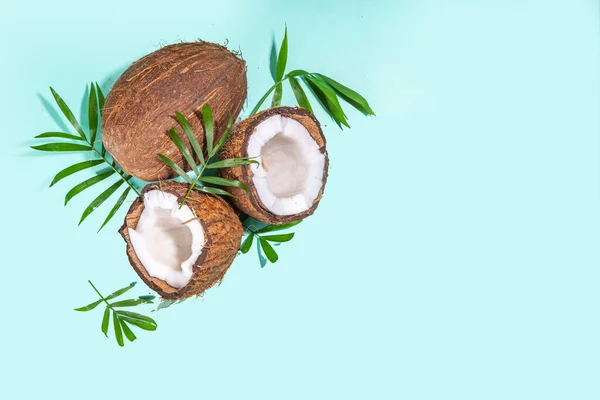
[140,108]
[237,146]
[222,235]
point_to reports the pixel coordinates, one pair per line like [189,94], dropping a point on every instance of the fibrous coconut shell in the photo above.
[237,147]
[140,108]
[222,235]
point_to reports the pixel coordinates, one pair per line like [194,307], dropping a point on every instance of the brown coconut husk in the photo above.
[237,147]
[222,235]
[140,108]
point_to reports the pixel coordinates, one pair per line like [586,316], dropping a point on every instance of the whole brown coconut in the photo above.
[290,148]
[221,231]
[140,108]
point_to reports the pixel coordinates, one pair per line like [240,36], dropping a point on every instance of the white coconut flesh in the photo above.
[167,239]
[289,175]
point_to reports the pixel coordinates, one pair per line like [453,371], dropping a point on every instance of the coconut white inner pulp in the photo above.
[289,175]
[166,247]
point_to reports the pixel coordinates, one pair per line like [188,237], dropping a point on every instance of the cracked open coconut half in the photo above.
[180,252]
[288,182]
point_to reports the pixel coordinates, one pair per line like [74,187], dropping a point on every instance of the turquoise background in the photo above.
[454,256]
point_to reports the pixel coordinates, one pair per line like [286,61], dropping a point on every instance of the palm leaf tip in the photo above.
[115,208]
[350,96]
[269,250]
[67,113]
[282,57]
[247,244]
[100,97]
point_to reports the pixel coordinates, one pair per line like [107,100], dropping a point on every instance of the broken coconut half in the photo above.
[288,182]
[180,251]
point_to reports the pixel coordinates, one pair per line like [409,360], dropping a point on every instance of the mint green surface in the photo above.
[455,254]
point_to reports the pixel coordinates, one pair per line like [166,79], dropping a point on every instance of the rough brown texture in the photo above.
[237,146]
[222,235]
[140,108]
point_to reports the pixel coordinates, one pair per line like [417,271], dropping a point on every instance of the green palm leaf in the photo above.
[247,244]
[277,95]
[271,228]
[86,184]
[93,113]
[231,162]
[349,95]
[139,323]
[61,135]
[279,238]
[300,94]
[138,320]
[120,291]
[95,103]
[127,331]
[100,97]
[176,168]
[328,99]
[118,331]
[282,58]
[224,137]
[74,168]
[120,318]
[213,190]
[116,207]
[97,202]
[297,72]
[269,251]
[280,71]
[90,306]
[130,302]
[223,182]
[106,321]
[67,112]
[183,149]
[187,129]
[62,147]
[262,100]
